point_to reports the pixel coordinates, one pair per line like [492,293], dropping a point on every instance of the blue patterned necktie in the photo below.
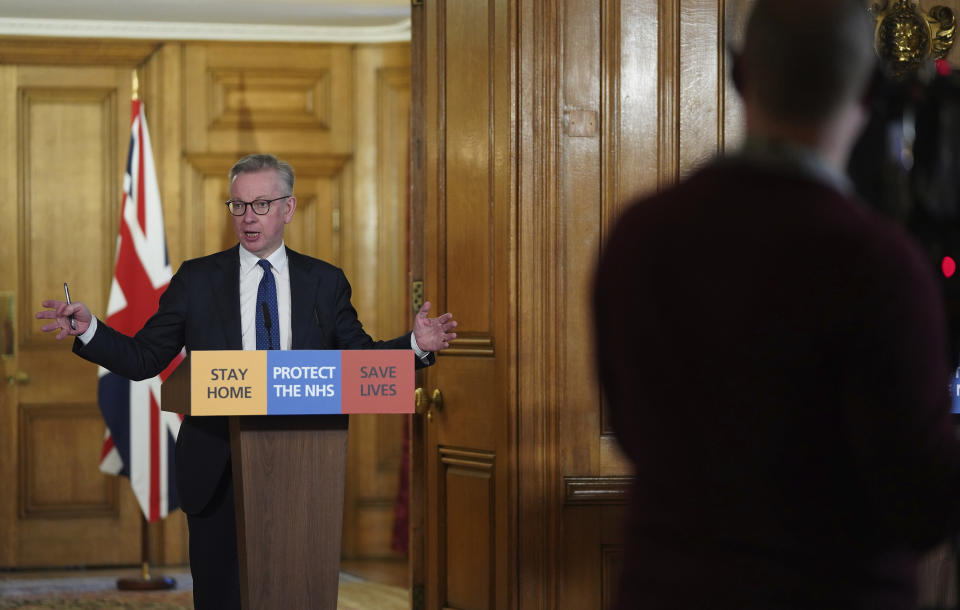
[268,328]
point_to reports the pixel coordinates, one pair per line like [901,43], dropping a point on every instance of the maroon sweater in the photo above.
[774,357]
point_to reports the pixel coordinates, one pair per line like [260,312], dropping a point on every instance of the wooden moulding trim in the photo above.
[668,86]
[596,490]
[473,458]
[305,165]
[376,503]
[470,346]
[60,51]
[172,30]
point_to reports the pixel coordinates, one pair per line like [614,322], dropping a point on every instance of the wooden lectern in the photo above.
[288,474]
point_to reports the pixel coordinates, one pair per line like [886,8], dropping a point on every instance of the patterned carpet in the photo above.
[100,593]
[102,600]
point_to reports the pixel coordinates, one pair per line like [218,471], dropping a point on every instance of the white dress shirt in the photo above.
[250,275]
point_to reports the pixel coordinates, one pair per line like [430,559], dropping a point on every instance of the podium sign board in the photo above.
[288,472]
[301,382]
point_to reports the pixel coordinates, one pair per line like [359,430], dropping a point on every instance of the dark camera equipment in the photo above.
[906,164]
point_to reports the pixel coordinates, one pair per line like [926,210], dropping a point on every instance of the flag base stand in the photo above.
[146,582]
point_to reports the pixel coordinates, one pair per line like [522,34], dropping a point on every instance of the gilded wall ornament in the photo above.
[905,38]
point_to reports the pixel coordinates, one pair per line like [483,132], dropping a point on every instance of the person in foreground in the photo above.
[774,354]
[216,302]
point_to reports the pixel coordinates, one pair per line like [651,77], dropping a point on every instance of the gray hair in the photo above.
[806,60]
[256,163]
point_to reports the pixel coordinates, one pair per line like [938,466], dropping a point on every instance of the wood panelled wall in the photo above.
[583,104]
[614,99]
[617,99]
[339,113]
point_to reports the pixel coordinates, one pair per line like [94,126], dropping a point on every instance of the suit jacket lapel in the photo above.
[226,294]
[302,286]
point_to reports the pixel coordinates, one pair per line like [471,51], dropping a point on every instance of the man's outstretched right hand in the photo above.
[61,312]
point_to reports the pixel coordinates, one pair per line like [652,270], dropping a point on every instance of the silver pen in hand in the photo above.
[66,293]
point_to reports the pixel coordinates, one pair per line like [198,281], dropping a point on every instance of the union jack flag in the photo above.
[140,437]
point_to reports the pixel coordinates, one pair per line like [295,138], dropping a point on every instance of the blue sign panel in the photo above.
[297,384]
[955,390]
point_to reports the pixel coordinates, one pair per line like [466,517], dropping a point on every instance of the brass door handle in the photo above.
[19,378]
[419,401]
[422,404]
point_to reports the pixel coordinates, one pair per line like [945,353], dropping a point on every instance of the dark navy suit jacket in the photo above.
[200,310]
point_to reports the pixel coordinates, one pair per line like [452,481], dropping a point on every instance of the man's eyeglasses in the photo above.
[260,206]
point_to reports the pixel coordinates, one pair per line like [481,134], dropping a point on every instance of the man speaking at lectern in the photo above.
[258,294]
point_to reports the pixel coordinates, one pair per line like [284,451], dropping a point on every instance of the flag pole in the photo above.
[146,582]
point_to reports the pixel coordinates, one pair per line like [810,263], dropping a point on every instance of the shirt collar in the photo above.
[278,260]
[790,158]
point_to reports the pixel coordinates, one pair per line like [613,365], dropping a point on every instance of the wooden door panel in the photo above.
[467,489]
[61,486]
[56,445]
[579,180]
[466,480]
[631,39]
[465,420]
[701,58]
[320,200]
[465,164]
[243,98]
[68,154]
[592,555]
[269,97]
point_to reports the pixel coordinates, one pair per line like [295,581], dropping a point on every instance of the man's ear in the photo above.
[291,205]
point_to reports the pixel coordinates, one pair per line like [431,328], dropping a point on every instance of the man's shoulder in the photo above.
[307,261]
[736,185]
[708,178]
[229,256]
[711,181]
[212,260]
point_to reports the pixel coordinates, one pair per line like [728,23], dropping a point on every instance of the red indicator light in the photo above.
[943,67]
[949,266]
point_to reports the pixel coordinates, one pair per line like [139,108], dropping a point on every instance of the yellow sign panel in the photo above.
[228,382]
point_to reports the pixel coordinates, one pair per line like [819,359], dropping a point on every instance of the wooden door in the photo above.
[538,120]
[64,133]
[462,184]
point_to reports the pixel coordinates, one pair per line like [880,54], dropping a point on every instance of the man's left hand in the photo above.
[433,334]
